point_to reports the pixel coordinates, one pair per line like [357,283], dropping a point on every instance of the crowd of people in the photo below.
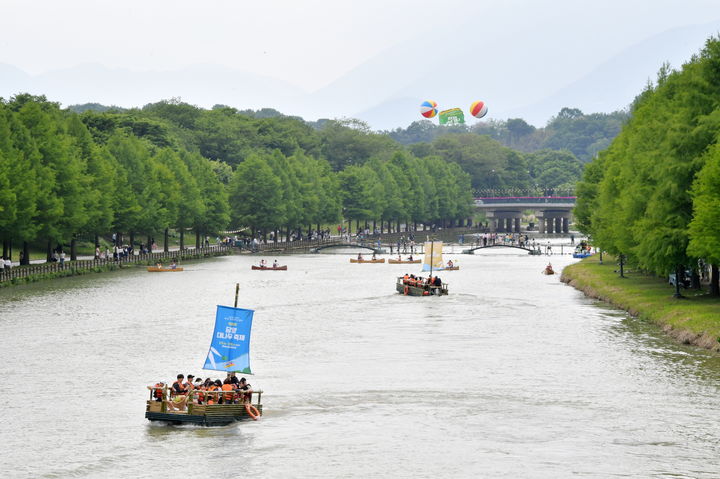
[5,264]
[420,282]
[232,390]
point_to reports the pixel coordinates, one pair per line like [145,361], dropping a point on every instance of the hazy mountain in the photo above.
[453,67]
[203,85]
[614,84]
[609,86]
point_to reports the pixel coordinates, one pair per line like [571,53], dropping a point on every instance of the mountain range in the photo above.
[532,83]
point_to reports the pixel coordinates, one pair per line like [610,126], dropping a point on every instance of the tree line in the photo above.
[139,173]
[582,134]
[653,196]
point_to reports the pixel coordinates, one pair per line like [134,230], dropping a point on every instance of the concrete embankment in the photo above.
[693,319]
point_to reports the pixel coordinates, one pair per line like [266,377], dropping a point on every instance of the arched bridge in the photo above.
[347,245]
[529,250]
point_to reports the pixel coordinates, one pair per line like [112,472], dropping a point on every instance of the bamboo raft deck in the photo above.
[201,414]
[425,290]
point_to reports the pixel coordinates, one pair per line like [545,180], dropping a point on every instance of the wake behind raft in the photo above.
[211,405]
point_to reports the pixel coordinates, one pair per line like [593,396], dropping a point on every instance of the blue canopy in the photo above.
[230,346]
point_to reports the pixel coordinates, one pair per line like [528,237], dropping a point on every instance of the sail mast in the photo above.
[432,244]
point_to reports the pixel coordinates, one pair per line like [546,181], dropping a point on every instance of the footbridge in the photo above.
[553,213]
[529,250]
[348,245]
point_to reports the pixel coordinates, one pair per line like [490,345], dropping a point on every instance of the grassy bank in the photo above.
[694,319]
[34,273]
[68,271]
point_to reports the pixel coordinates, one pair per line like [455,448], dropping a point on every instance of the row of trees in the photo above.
[653,195]
[495,167]
[229,136]
[269,191]
[57,182]
[584,135]
[64,174]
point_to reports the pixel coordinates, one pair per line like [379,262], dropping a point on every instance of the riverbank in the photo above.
[694,319]
[39,272]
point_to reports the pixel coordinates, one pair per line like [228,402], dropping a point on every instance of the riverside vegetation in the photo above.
[80,173]
[692,320]
[654,194]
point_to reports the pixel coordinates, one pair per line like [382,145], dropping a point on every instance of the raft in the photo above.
[155,269]
[395,261]
[353,260]
[451,268]
[202,414]
[408,290]
[269,268]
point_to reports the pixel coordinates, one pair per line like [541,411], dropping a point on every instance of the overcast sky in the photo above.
[311,43]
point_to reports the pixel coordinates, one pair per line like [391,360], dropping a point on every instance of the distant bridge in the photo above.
[553,213]
[529,250]
[347,245]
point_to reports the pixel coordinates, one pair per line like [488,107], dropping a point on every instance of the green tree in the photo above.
[255,195]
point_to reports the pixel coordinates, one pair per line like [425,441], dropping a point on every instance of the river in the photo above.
[514,374]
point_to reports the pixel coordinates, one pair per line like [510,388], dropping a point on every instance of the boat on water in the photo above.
[230,352]
[410,288]
[269,268]
[548,270]
[155,269]
[354,260]
[451,268]
[396,261]
[432,261]
[582,255]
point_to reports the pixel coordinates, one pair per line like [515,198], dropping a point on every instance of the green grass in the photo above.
[694,319]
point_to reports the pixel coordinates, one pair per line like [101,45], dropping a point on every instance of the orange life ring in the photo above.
[407,290]
[250,408]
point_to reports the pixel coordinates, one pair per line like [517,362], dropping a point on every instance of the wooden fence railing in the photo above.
[162,256]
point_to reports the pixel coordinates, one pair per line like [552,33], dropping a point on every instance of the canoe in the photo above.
[269,268]
[155,269]
[548,272]
[451,268]
[394,261]
[353,260]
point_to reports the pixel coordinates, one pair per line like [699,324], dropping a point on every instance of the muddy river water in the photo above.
[514,374]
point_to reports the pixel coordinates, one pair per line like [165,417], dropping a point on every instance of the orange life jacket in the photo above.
[158,393]
[212,398]
[228,395]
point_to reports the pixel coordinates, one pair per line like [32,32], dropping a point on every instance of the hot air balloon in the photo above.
[478,109]
[428,109]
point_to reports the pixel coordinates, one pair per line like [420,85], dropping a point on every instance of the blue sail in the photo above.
[230,345]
